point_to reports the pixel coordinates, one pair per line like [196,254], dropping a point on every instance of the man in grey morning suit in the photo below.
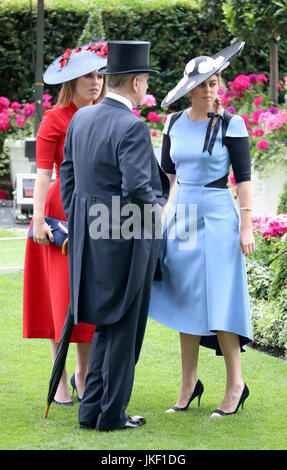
[108,157]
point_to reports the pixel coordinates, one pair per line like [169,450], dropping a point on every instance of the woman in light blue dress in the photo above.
[203,290]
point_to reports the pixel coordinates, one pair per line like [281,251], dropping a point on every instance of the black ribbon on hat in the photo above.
[209,145]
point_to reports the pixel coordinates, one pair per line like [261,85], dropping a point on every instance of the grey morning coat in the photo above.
[108,152]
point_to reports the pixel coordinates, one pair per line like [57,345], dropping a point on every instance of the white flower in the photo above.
[181,82]
[209,64]
[190,84]
[189,67]
[170,95]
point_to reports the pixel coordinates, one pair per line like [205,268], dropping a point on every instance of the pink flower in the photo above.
[20,121]
[154,133]
[271,226]
[257,133]
[264,116]
[225,100]
[232,179]
[29,109]
[164,118]
[252,78]
[273,109]
[282,115]
[279,86]
[149,100]
[153,117]
[46,101]
[255,115]
[241,83]
[263,144]
[3,195]
[4,103]
[258,100]
[274,122]
[246,120]
[262,78]
[136,113]
[4,122]
[231,109]
[15,105]
[47,97]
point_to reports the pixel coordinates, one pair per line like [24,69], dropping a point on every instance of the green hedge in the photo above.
[267,281]
[178,30]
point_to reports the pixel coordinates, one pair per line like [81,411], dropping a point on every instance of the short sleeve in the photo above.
[236,127]
[47,140]
[167,122]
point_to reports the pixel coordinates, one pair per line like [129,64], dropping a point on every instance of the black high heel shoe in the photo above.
[73,383]
[197,392]
[218,413]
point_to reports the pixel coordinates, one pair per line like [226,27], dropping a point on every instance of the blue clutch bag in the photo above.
[59,229]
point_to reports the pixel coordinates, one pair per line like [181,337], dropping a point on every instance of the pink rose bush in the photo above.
[16,121]
[16,116]
[248,96]
[271,226]
[154,118]
[149,100]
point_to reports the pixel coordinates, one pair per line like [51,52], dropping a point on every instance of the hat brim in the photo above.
[79,64]
[107,71]
[221,60]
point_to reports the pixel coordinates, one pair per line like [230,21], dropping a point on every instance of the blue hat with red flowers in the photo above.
[76,62]
[200,69]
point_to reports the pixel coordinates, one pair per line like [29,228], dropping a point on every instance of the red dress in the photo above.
[46,294]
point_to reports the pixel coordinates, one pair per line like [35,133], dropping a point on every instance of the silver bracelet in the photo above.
[246,209]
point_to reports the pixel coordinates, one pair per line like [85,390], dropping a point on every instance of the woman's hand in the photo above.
[42,232]
[247,243]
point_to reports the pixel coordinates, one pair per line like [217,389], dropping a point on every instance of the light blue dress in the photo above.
[204,283]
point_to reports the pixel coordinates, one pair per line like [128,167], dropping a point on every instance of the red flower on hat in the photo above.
[99,49]
[65,58]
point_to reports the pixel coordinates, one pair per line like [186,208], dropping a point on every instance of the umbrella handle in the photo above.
[46,411]
[65,247]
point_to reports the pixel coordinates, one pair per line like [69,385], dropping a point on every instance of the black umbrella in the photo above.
[60,359]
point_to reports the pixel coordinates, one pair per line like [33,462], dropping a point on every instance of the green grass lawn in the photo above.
[11,252]
[25,373]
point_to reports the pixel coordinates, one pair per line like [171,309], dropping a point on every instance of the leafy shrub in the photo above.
[282,205]
[259,279]
[269,324]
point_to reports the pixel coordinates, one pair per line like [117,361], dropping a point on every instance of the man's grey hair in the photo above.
[120,80]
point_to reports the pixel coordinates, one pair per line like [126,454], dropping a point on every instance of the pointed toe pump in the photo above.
[73,383]
[197,392]
[219,413]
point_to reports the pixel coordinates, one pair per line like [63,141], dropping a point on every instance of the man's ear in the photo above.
[135,82]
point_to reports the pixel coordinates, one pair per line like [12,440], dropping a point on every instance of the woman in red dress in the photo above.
[46,293]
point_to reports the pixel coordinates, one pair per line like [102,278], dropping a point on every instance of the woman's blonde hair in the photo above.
[67,92]
[222,86]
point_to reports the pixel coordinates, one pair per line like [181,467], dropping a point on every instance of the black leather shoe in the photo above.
[219,413]
[197,392]
[133,422]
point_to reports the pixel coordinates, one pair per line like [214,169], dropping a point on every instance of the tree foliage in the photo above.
[256,20]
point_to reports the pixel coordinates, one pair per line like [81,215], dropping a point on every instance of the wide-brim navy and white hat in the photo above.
[200,68]
[76,62]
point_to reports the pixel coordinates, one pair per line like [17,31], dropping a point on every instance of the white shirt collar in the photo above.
[120,98]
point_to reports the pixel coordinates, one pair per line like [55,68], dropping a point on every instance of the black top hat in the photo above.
[127,57]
